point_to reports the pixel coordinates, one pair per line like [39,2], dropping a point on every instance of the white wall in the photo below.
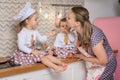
[102,8]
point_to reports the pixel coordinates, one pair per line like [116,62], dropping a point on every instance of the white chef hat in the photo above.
[25,12]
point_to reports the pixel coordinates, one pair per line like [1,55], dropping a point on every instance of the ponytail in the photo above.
[20,26]
[86,35]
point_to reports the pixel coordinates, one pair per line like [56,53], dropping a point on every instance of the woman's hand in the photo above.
[83,54]
[80,56]
[36,53]
[83,51]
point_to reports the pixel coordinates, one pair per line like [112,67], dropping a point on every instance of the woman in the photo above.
[93,42]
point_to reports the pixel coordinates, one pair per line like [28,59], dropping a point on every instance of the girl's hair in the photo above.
[23,23]
[62,20]
[82,16]
[20,26]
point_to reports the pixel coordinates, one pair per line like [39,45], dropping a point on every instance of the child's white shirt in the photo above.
[24,39]
[59,41]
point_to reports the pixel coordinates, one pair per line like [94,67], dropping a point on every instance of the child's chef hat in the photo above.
[25,12]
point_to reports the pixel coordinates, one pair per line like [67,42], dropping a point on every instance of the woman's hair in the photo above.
[23,23]
[62,20]
[82,16]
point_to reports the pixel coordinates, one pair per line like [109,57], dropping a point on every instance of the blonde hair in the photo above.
[23,23]
[82,16]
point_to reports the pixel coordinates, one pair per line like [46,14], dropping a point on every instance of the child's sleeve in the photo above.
[21,43]
[40,38]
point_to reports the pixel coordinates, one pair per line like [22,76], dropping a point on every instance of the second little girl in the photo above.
[64,45]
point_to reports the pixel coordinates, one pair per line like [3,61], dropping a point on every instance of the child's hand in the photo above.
[53,48]
[46,45]
[65,31]
[52,33]
[35,53]
[80,56]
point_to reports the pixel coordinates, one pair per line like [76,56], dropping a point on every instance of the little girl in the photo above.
[27,38]
[64,45]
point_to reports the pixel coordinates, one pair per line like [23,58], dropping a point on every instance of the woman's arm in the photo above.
[99,51]
[101,55]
